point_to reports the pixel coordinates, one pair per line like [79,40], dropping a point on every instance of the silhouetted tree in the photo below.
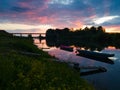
[100,29]
[66,30]
[50,34]
[93,29]
[86,29]
[86,36]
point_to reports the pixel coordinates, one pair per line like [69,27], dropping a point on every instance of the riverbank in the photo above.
[24,67]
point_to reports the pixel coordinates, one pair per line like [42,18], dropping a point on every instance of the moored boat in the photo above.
[94,54]
[102,57]
[67,48]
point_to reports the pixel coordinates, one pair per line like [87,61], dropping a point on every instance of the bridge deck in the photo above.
[28,33]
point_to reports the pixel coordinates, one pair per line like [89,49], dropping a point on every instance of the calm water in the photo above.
[109,80]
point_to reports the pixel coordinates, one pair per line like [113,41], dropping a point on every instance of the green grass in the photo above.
[28,72]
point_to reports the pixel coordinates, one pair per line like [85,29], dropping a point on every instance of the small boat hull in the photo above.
[66,48]
[94,54]
[102,57]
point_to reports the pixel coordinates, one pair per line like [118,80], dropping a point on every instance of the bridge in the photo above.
[22,34]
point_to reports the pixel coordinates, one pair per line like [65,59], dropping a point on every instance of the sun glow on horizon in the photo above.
[113,29]
[108,29]
[13,26]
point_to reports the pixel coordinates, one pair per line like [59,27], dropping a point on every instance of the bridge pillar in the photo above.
[20,35]
[30,35]
[40,35]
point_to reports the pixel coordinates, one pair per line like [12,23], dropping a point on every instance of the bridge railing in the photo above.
[32,34]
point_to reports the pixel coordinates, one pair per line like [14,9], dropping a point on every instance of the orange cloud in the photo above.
[78,24]
[113,29]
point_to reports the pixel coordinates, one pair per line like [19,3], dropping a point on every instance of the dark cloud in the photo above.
[26,1]
[76,5]
[7,3]
[56,13]
[20,9]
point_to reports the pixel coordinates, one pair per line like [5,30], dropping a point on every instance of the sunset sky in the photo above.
[39,15]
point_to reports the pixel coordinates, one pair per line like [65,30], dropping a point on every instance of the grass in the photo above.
[26,72]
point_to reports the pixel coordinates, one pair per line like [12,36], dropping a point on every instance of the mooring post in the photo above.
[21,35]
[40,35]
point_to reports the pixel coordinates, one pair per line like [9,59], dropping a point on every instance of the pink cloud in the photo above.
[23,4]
[77,24]
[45,19]
[92,16]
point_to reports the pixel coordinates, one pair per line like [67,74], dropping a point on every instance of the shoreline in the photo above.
[24,71]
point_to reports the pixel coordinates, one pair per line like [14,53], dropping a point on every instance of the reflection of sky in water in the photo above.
[42,45]
[71,57]
[109,80]
[103,81]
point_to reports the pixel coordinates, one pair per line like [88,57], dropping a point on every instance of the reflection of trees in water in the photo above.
[91,38]
[85,45]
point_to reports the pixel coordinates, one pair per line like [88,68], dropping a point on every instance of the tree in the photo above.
[86,29]
[93,29]
[100,29]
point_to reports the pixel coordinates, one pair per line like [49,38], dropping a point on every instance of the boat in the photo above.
[94,54]
[102,57]
[94,71]
[66,48]
[86,53]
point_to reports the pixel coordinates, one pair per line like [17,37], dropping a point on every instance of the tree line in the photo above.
[85,36]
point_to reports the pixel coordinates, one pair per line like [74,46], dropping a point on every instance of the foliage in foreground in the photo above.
[23,73]
[26,72]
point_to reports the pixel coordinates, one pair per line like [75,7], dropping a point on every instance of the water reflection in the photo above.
[83,46]
[41,44]
[90,72]
[102,57]
[70,56]
[102,80]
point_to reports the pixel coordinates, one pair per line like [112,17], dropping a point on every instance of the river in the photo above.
[109,80]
